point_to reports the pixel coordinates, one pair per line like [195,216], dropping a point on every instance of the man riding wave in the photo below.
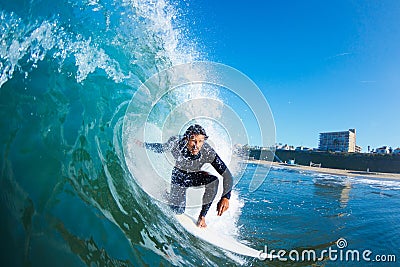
[191,152]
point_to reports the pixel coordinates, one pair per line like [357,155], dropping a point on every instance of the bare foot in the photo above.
[201,222]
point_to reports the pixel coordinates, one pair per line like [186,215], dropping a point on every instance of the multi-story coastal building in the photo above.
[338,141]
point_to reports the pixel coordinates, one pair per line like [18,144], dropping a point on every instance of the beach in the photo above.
[351,173]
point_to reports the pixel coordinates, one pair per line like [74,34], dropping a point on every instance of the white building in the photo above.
[344,141]
[382,150]
[284,147]
[302,148]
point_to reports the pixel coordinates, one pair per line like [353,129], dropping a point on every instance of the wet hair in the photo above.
[195,130]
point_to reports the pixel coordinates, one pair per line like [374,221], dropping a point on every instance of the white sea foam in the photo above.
[383,184]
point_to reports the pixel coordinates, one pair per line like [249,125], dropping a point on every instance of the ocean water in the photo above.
[68,71]
[307,211]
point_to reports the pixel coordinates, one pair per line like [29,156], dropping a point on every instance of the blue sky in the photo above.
[322,65]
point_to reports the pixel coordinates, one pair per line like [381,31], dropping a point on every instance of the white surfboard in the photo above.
[220,240]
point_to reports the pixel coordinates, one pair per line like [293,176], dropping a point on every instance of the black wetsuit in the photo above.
[187,173]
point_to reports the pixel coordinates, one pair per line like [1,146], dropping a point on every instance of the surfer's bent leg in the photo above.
[211,188]
[178,191]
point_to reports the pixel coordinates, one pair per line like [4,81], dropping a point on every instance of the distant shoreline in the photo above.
[351,173]
[380,163]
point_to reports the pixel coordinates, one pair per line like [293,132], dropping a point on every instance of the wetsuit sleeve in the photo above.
[161,148]
[223,170]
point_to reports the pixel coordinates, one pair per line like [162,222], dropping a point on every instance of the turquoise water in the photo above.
[67,198]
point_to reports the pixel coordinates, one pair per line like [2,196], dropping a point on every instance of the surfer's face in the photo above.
[195,142]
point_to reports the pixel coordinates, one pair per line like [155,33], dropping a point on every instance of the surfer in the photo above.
[191,152]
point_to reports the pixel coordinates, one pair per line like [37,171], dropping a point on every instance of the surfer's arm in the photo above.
[161,147]
[223,170]
[156,147]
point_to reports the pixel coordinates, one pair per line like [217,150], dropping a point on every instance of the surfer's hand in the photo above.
[138,142]
[222,206]
[201,222]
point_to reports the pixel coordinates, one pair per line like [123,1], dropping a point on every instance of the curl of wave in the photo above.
[67,72]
